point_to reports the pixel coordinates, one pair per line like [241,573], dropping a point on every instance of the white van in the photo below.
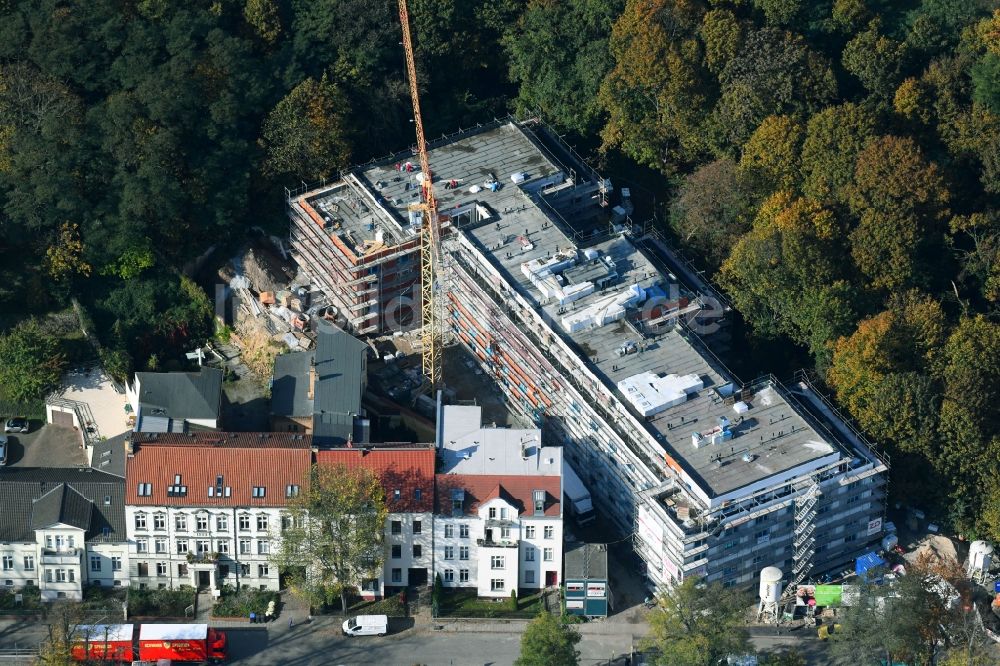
[366,625]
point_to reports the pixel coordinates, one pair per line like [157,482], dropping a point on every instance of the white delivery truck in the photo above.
[577,496]
[366,625]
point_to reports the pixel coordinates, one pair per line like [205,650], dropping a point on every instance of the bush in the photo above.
[159,603]
[32,599]
[513,600]
[245,601]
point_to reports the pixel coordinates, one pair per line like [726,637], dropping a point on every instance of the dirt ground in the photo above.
[463,375]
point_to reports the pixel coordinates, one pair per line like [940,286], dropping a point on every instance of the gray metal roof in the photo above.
[181,395]
[339,357]
[290,384]
[586,560]
[109,455]
[33,497]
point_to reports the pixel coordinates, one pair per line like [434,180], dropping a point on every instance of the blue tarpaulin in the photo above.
[866,562]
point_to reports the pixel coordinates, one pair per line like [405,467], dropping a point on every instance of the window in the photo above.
[202,546]
[529,576]
[116,562]
[143,569]
[397,575]
[503,513]
[263,547]
[222,546]
[181,522]
[48,575]
[547,554]
[493,512]
[160,521]
[497,585]
[95,562]
[8,562]
[161,568]
[222,523]
[463,575]
[145,489]
[244,546]
[291,491]
[61,575]
[496,562]
[48,540]
[449,531]
[397,552]
[182,569]
[140,521]
[161,545]
[463,552]
[418,494]
[463,531]
[449,575]
[539,497]
[529,554]
[182,546]
[201,522]
[505,532]
[141,546]
[449,552]
[529,532]
[549,532]
[29,562]
[262,523]
[259,491]
[732,544]
[397,494]
[71,540]
[244,569]
[263,571]
[244,522]
[60,542]
[418,550]
[417,526]
[396,527]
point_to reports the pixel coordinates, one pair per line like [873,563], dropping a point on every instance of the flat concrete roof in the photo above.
[469,448]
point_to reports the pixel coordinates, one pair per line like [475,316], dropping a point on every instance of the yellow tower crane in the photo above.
[430,237]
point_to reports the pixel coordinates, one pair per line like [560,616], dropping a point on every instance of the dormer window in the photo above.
[457,502]
[397,494]
[259,491]
[539,497]
[291,491]
[145,490]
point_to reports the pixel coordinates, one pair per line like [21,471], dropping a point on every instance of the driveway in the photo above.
[46,446]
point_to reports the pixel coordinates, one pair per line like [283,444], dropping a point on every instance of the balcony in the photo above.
[503,543]
[202,558]
[60,556]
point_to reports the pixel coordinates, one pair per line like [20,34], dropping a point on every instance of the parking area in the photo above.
[45,446]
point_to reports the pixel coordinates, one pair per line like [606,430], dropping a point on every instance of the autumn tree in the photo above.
[771,156]
[876,60]
[31,362]
[264,16]
[698,624]
[334,535]
[64,257]
[305,135]
[834,138]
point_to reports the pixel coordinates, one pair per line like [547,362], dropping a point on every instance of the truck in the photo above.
[175,643]
[578,501]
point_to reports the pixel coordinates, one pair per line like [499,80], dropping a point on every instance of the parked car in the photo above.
[3,450]
[16,424]
[366,625]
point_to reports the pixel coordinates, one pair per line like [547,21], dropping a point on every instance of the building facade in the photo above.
[498,516]
[206,509]
[62,529]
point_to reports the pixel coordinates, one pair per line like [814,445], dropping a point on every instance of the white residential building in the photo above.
[175,401]
[498,519]
[61,529]
[205,509]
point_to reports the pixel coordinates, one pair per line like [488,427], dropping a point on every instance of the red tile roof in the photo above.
[481,488]
[244,461]
[405,469]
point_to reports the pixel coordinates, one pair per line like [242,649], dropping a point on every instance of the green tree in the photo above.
[305,135]
[770,158]
[559,56]
[834,138]
[335,536]
[265,17]
[876,60]
[31,362]
[711,210]
[548,642]
[698,625]
[722,35]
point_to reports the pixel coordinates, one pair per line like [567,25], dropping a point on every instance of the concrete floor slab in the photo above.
[95,388]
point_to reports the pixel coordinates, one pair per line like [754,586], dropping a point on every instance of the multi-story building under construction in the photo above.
[579,316]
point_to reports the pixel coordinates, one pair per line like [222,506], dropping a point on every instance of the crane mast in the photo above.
[430,236]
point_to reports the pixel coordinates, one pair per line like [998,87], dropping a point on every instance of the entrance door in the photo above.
[416,577]
[550,579]
[204,579]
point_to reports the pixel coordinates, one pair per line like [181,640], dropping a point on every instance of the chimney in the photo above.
[129,446]
[312,378]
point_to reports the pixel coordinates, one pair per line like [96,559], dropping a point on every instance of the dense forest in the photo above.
[833,164]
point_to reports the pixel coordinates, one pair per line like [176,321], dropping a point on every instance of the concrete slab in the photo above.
[95,388]
[48,446]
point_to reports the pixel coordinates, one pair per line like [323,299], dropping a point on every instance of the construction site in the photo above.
[595,331]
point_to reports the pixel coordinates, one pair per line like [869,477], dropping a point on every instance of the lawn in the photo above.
[392,606]
[465,603]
